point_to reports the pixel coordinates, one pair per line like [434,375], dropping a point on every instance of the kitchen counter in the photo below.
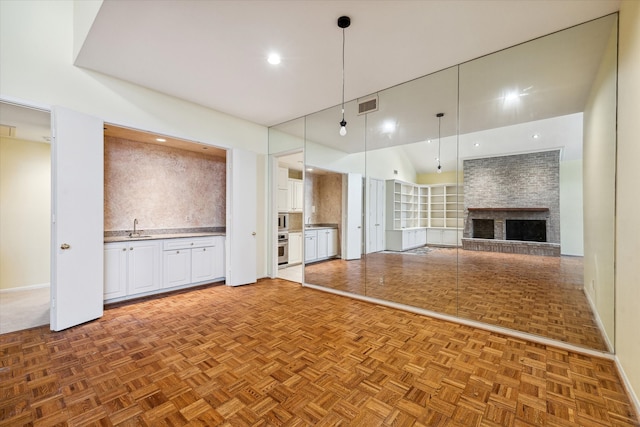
[320,226]
[151,236]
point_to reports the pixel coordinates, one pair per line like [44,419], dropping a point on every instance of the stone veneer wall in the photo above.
[162,187]
[515,181]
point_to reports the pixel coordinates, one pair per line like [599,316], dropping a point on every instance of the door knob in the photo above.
[253,234]
[65,246]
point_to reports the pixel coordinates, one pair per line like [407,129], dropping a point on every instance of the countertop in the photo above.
[125,238]
[320,226]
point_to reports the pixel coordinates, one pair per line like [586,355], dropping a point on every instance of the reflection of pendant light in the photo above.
[343,22]
[439,116]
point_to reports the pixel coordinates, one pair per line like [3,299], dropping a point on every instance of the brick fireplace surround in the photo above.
[499,243]
[513,187]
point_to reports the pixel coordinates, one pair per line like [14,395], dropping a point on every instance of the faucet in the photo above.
[134,232]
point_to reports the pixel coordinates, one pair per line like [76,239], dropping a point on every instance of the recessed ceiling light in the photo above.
[161,140]
[477,144]
[309,169]
[273,59]
[535,136]
[389,126]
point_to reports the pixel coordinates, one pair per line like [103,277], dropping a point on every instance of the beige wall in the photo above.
[599,152]
[25,207]
[571,206]
[627,200]
[162,187]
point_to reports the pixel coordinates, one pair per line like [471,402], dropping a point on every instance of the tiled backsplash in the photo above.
[162,187]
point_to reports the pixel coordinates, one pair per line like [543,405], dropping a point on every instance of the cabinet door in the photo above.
[323,244]
[283,200]
[310,246]
[115,270]
[332,242]
[176,268]
[290,196]
[421,237]
[434,236]
[299,191]
[144,267]
[203,261]
[295,248]
[283,178]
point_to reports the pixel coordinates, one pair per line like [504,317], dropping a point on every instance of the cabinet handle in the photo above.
[191,243]
[177,252]
[124,249]
[130,249]
[65,246]
[204,249]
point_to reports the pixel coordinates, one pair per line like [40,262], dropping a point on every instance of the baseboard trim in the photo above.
[475,324]
[25,288]
[599,321]
[627,385]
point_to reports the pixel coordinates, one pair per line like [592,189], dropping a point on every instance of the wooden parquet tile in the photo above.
[534,294]
[278,354]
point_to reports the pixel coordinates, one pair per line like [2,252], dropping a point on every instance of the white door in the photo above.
[353,230]
[375,218]
[241,217]
[77,231]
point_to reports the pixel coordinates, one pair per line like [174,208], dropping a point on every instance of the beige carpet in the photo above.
[24,309]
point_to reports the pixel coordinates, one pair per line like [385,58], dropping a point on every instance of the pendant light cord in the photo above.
[343,74]
[439,120]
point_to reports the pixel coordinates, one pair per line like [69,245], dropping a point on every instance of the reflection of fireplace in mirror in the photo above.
[510,230]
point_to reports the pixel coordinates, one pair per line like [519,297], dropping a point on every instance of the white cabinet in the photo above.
[143,266]
[310,246]
[283,178]
[192,260]
[320,244]
[444,237]
[295,189]
[147,266]
[295,248]
[409,238]
[115,269]
[131,268]
[176,267]
[283,200]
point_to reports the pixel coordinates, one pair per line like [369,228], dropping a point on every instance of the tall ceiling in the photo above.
[214,53]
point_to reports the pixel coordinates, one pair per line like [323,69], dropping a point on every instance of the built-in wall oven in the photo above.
[283,247]
[283,222]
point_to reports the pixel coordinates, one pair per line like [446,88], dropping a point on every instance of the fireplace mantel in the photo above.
[508,209]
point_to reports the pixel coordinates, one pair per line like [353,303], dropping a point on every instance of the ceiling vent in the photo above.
[368,104]
[8,131]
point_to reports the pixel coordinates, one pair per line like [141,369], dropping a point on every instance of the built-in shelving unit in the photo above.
[437,208]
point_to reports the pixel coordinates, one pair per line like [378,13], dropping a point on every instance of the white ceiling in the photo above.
[214,53]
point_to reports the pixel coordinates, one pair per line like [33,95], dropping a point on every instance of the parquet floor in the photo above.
[535,294]
[276,353]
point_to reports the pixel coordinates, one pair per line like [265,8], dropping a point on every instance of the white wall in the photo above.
[36,54]
[25,209]
[627,201]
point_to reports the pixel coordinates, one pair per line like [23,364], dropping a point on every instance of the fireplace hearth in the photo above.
[509,230]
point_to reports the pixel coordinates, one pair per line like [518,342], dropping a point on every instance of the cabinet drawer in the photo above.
[189,242]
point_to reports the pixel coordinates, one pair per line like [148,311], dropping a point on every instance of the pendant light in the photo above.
[439,116]
[343,22]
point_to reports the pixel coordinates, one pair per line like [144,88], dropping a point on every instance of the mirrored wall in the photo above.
[484,191]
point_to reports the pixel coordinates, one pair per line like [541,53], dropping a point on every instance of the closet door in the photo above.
[77,232]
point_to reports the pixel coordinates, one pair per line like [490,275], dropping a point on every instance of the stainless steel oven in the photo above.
[283,248]
[283,222]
